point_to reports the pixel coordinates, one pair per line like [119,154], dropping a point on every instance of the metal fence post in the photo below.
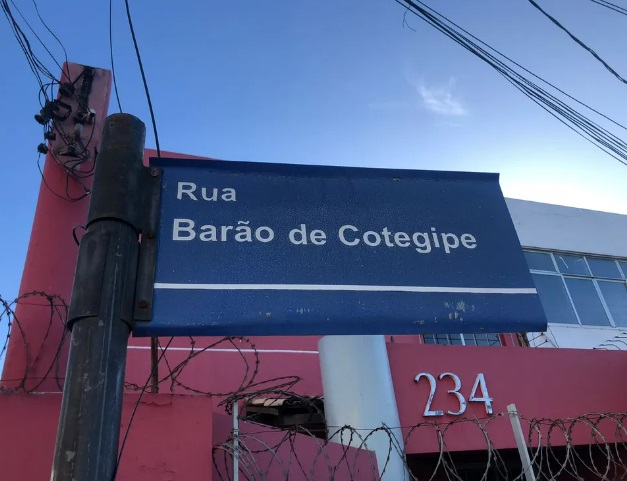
[520,442]
[236,441]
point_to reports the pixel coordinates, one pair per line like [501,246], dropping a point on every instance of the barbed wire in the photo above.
[173,381]
[54,337]
[39,350]
[54,319]
[591,445]
[540,339]
[616,343]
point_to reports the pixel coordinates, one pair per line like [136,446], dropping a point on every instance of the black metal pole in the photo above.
[101,308]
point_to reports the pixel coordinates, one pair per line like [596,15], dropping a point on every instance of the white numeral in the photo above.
[431,379]
[480,383]
[460,398]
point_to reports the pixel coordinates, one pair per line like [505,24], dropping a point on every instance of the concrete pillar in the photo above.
[358,391]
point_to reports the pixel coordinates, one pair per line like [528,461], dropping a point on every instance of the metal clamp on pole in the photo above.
[101,308]
[148,250]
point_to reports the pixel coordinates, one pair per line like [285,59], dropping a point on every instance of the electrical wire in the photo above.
[24,44]
[583,126]
[74,158]
[43,90]
[55,37]
[611,6]
[141,68]
[578,41]
[544,81]
[115,83]
[67,195]
[139,398]
[42,66]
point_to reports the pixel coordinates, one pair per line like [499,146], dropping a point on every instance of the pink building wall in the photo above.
[173,432]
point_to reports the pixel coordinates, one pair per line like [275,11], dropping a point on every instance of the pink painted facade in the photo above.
[174,432]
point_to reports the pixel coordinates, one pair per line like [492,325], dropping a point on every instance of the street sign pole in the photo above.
[101,308]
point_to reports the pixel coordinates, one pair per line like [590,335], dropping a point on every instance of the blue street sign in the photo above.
[274,249]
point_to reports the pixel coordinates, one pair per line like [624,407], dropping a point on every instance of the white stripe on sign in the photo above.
[213,349]
[339,287]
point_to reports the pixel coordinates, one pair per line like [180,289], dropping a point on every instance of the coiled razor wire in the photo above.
[556,448]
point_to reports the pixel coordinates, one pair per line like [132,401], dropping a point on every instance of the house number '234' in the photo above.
[479,385]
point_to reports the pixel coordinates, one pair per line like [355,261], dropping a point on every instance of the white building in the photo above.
[578,260]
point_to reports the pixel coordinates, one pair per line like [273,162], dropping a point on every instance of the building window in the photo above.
[463,339]
[580,289]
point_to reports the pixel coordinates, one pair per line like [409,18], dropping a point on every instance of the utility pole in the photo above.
[51,260]
[102,305]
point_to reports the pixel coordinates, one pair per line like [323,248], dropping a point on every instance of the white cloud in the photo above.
[440,100]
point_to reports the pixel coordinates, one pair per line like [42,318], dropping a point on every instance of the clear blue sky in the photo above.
[338,82]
